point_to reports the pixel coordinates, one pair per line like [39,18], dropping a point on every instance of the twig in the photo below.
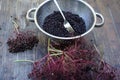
[55,50]
[16,26]
[24,61]
[98,51]
[101,59]
[56,54]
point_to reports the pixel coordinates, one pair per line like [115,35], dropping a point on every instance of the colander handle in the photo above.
[102,20]
[28,14]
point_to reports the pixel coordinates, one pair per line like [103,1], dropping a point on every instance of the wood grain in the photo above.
[107,36]
[17,9]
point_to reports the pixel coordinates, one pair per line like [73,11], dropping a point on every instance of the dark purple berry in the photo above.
[53,24]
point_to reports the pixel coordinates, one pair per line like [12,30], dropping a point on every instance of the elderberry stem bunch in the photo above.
[76,62]
[22,41]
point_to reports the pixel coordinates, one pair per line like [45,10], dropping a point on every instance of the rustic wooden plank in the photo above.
[29,54]
[114,11]
[10,70]
[110,37]
[107,35]
[99,34]
[6,71]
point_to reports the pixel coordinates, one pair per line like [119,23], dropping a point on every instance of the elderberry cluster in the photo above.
[22,42]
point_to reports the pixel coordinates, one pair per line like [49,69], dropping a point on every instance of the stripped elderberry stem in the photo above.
[16,26]
[24,61]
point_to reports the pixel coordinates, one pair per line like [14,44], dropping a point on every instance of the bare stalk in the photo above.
[16,26]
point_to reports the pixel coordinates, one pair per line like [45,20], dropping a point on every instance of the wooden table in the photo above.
[107,36]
